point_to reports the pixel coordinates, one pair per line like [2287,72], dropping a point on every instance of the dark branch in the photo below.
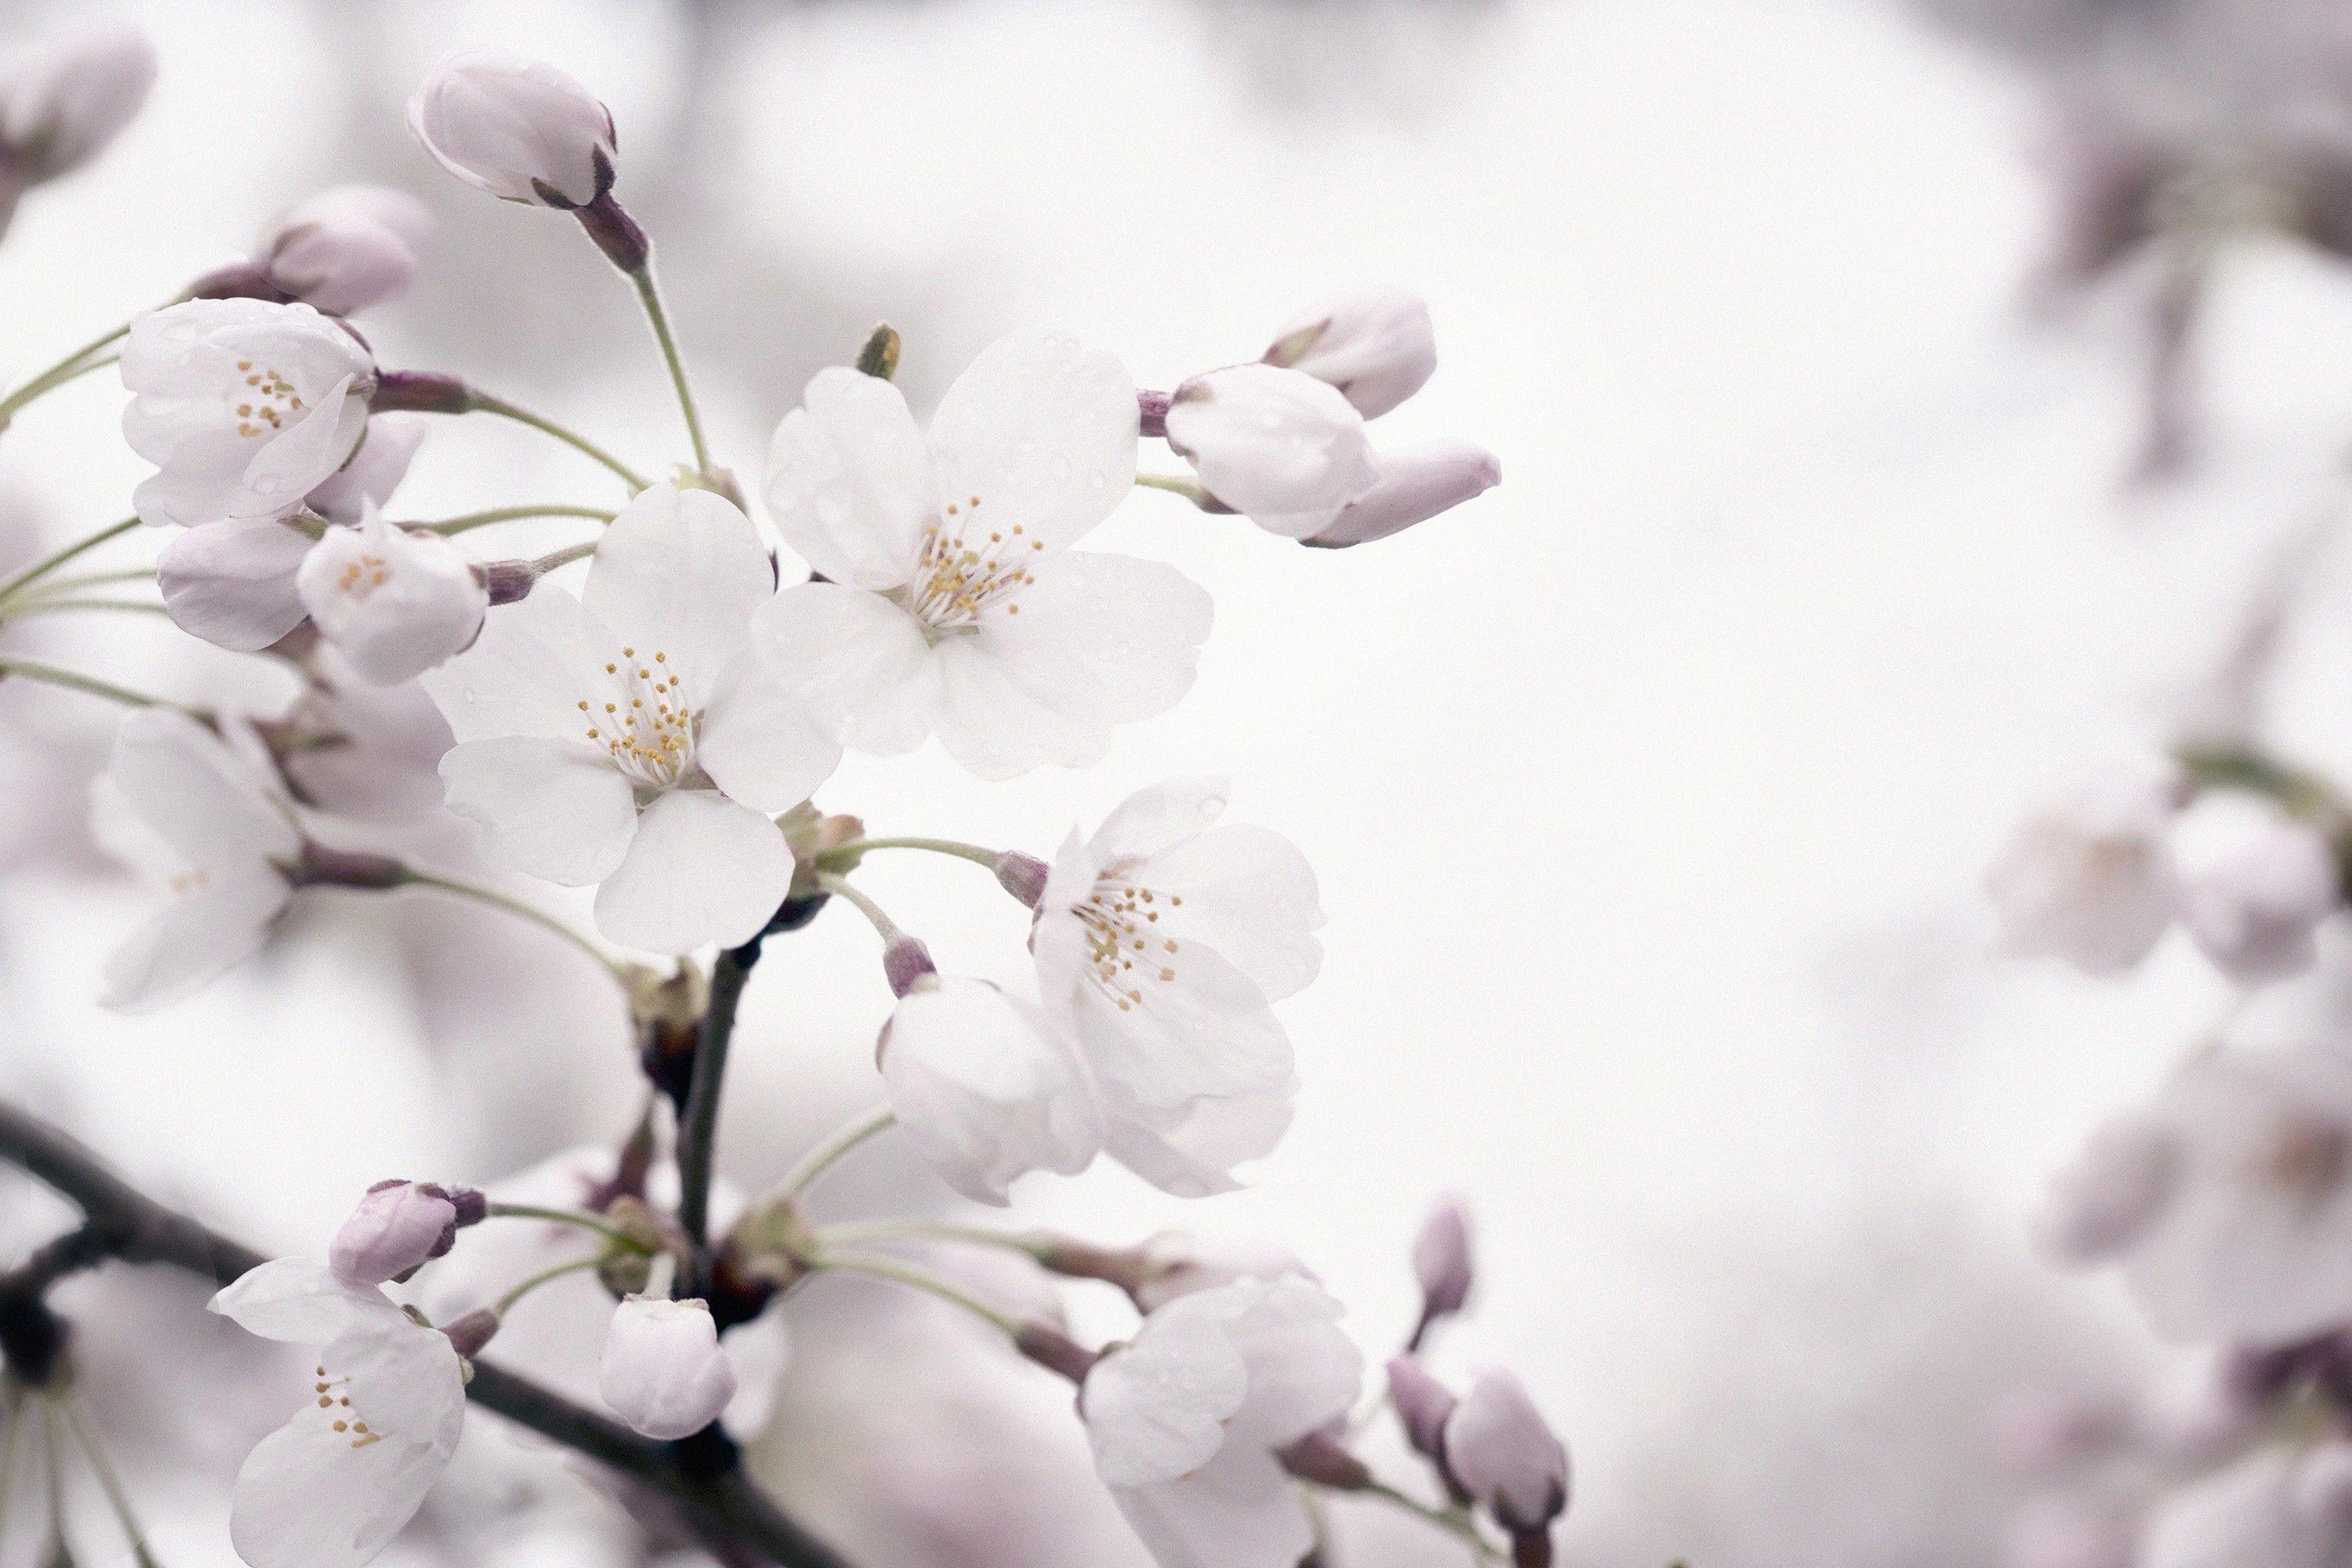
[124,1223]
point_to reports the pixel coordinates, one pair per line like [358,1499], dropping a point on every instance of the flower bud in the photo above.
[905,962]
[1023,876]
[375,471]
[1500,1448]
[1423,1404]
[1413,487]
[1442,1262]
[2255,913]
[1377,347]
[398,1228]
[394,603]
[520,129]
[1276,444]
[347,248]
[664,1372]
[2109,1195]
[66,96]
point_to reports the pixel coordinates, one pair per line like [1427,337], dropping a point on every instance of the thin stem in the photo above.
[883,924]
[1453,1523]
[849,852]
[466,521]
[101,1465]
[50,604]
[610,1233]
[50,674]
[884,1232]
[50,563]
[1175,485]
[82,580]
[697,1138]
[572,438]
[828,1153]
[505,1303]
[885,1269]
[512,906]
[563,557]
[649,294]
[64,370]
[53,1454]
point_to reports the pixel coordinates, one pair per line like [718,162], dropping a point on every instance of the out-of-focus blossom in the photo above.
[1162,942]
[1443,1262]
[1376,346]
[759,1352]
[243,406]
[394,601]
[190,815]
[382,1415]
[2072,1532]
[1277,444]
[398,1228]
[2233,1218]
[1423,1405]
[985,1086]
[1175,1264]
[346,249]
[64,97]
[2111,1193]
[1413,487]
[631,737]
[2090,878]
[1506,1456]
[520,129]
[952,604]
[664,1372]
[1187,1421]
[2254,913]
[374,471]
[2279,1508]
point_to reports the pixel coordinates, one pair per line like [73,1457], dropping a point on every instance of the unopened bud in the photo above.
[907,962]
[1506,1458]
[1321,1460]
[322,867]
[1276,444]
[1023,876]
[664,1372]
[1413,487]
[398,1228]
[346,249]
[66,96]
[1423,1406]
[1442,1262]
[520,129]
[2255,913]
[1377,347]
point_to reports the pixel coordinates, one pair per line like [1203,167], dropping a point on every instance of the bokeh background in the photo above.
[1650,793]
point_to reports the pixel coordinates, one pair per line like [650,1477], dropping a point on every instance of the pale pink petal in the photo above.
[1040,431]
[701,869]
[676,576]
[858,662]
[849,480]
[552,809]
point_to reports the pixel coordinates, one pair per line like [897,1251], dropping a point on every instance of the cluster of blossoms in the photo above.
[657,732]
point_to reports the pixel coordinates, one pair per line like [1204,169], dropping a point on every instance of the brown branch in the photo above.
[705,1480]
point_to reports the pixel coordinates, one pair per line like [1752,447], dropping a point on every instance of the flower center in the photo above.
[363,575]
[1122,945]
[266,402]
[330,1395]
[968,566]
[642,723]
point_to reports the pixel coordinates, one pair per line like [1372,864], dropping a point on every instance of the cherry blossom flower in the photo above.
[1277,444]
[630,739]
[2255,913]
[243,406]
[393,601]
[951,603]
[520,129]
[193,816]
[1500,1448]
[1160,945]
[2090,878]
[1177,1265]
[2279,1508]
[398,1228]
[336,1483]
[1413,487]
[985,1086]
[2111,1193]
[1375,346]
[1186,1422]
[64,97]
[664,1372]
[346,249]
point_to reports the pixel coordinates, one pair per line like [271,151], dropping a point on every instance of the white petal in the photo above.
[849,480]
[286,468]
[526,674]
[1192,1153]
[859,662]
[552,809]
[759,744]
[232,583]
[308,1498]
[1040,431]
[680,572]
[393,603]
[376,469]
[1159,815]
[188,786]
[1249,895]
[1156,1409]
[985,1087]
[401,1378]
[760,1351]
[1241,1510]
[300,1300]
[701,869]
[1304,1371]
[1193,1025]
[196,937]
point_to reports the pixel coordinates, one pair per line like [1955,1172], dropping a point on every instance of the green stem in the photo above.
[572,438]
[505,1303]
[1453,1523]
[2237,767]
[109,1482]
[883,1232]
[825,1155]
[48,604]
[512,906]
[50,674]
[563,557]
[464,522]
[610,1233]
[847,853]
[884,1269]
[64,370]
[839,887]
[1175,485]
[649,293]
[82,580]
[698,1137]
[50,563]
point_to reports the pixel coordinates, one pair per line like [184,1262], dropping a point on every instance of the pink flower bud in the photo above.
[65,97]
[1377,347]
[2255,914]
[398,1228]
[1276,444]
[664,1372]
[1413,487]
[520,129]
[1500,1448]
[1423,1404]
[1442,1261]
[347,248]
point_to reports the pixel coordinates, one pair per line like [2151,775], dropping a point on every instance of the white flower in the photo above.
[1178,1265]
[398,1228]
[985,1086]
[2254,913]
[1376,346]
[347,248]
[1413,487]
[1277,444]
[630,737]
[1186,1422]
[380,1419]
[664,1372]
[2091,878]
[953,605]
[2236,1222]
[1160,945]
[242,406]
[2112,1192]
[189,812]
[1498,1446]
[374,471]
[2278,1509]
[65,96]
[520,129]
[392,601]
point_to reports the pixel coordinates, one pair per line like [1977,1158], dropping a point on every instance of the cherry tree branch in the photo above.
[704,1479]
